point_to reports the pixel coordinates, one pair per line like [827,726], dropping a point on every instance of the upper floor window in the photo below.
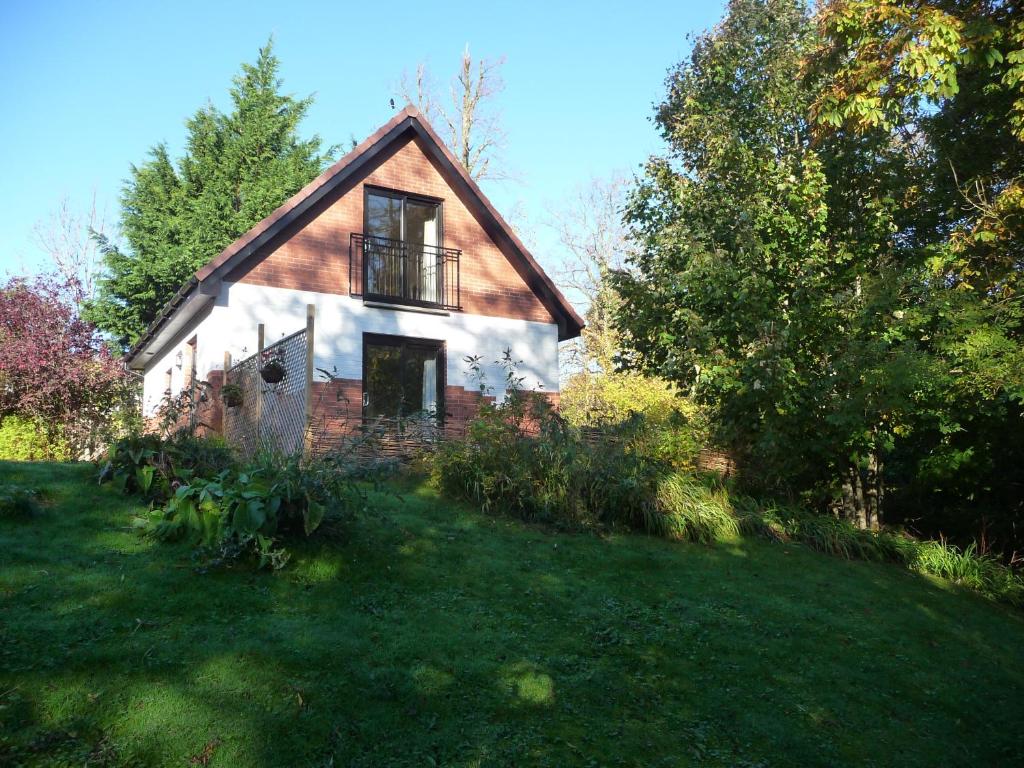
[394,216]
[402,251]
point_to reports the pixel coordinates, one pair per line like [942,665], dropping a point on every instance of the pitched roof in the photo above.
[207,279]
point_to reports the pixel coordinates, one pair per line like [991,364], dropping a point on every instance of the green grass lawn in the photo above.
[438,636]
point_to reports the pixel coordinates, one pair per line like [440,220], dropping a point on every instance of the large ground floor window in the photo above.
[402,377]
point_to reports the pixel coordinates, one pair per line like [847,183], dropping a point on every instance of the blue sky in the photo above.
[89,87]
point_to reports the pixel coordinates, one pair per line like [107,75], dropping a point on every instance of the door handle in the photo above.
[366,399]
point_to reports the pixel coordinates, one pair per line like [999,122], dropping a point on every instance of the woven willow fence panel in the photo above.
[272,415]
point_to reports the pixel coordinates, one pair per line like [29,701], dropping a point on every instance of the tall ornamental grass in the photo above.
[522,458]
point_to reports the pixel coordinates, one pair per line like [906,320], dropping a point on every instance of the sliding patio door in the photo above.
[402,377]
[403,257]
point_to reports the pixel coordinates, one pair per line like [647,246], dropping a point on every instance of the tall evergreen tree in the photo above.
[175,217]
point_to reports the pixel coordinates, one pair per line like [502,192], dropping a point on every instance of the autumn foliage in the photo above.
[54,368]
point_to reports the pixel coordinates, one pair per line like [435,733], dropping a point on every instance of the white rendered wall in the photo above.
[154,380]
[340,323]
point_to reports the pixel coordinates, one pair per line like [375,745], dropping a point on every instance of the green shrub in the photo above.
[965,566]
[137,464]
[522,458]
[200,456]
[150,466]
[18,503]
[250,511]
[675,428]
[833,536]
[25,439]
[199,491]
[945,560]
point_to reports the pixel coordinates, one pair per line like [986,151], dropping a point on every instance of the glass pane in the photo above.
[402,379]
[421,236]
[381,249]
[419,380]
[382,380]
[421,222]
[384,217]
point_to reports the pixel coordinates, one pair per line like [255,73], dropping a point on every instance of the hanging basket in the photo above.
[232,395]
[273,372]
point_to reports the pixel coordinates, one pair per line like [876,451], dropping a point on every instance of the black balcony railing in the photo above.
[401,272]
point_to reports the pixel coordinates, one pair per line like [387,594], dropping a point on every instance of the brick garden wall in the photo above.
[337,408]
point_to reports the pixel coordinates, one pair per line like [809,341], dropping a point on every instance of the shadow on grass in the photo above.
[438,634]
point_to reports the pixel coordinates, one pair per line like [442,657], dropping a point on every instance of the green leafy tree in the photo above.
[237,168]
[946,81]
[829,255]
[949,77]
[767,277]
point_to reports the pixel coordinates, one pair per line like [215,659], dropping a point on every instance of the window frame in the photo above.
[404,198]
[393,340]
[396,194]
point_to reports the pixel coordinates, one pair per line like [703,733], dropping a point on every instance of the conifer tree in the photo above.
[176,216]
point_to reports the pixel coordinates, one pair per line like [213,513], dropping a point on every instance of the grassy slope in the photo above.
[441,637]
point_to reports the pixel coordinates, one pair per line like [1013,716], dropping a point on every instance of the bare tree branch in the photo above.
[66,238]
[589,227]
[419,89]
[472,125]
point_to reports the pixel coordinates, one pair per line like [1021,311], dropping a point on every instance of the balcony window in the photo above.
[399,258]
[402,247]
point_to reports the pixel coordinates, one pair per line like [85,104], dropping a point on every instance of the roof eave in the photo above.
[185,304]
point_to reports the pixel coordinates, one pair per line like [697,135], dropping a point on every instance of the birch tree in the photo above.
[68,238]
[465,112]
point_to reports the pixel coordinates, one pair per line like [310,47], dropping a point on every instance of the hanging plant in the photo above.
[232,395]
[273,370]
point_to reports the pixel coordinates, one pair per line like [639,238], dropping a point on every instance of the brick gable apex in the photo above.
[408,122]
[313,253]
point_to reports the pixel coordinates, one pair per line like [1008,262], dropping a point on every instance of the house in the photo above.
[410,270]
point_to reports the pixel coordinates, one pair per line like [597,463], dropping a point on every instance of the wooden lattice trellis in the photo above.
[272,416]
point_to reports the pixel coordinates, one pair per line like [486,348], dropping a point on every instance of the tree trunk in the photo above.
[852,507]
[874,493]
[863,494]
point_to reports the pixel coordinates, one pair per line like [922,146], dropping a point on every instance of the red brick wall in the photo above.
[313,253]
[460,406]
[338,403]
[337,406]
[211,412]
[337,409]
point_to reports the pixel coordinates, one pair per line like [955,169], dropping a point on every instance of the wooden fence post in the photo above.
[310,328]
[224,383]
[260,338]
